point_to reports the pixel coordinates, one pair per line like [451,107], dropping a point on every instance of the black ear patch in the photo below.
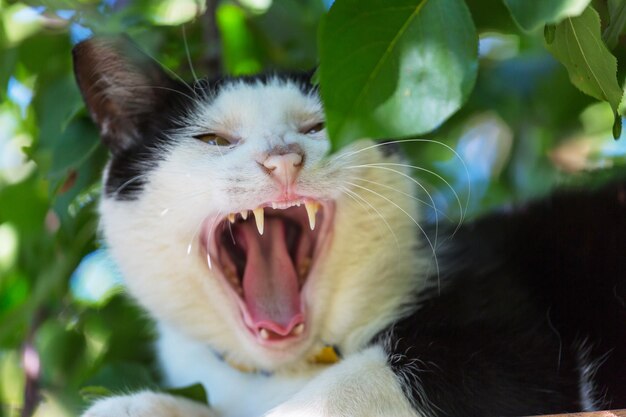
[122,87]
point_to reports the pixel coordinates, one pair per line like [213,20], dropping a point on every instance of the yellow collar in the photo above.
[328,355]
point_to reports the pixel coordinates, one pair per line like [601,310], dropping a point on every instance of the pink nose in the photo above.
[284,167]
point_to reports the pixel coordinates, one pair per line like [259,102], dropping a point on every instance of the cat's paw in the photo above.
[147,404]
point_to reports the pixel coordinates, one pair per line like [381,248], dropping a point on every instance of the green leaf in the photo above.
[549,32]
[592,68]
[195,392]
[391,69]
[123,377]
[95,392]
[61,352]
[617,127]
[531,15]
[617,13]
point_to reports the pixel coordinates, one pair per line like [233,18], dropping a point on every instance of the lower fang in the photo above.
[297,331]
[265,335]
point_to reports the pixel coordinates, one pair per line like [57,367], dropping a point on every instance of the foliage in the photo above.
[474,78]
[578,45]
[403,79]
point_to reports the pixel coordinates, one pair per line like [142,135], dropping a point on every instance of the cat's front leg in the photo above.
[147,404]
[362,385]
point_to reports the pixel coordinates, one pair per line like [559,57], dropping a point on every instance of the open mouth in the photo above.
[266,256]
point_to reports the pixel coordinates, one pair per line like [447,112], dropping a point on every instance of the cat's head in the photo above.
[230,221]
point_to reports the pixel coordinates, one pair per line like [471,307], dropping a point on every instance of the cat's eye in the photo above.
[213,139]
[311,130]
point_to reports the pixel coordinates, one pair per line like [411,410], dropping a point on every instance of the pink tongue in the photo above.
[270,282]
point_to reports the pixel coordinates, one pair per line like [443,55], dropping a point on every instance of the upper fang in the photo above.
[259,218]
[311,211]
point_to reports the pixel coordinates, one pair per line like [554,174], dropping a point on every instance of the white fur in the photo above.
[147,404]
[231,393]
[356,289]
[362,385]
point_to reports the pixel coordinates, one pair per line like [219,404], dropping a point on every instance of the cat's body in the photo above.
[524,316]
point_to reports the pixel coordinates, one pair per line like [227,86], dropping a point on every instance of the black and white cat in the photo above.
[294,283]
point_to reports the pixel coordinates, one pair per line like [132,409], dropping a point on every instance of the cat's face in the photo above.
[231,223]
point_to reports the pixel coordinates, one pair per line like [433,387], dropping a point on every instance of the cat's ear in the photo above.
[122,87]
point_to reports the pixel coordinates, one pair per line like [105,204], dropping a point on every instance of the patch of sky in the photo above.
[66,14]
[19,94]
[79,33]
[96,279]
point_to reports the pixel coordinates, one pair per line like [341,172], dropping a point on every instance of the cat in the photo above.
[294,282]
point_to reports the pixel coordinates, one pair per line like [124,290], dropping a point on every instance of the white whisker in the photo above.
[375,210]
[181,200]
[119,189]
[152,87]
[178,77]
[456,196]
[208,254]
[193,72]
[416,140]
[419,200]
[414,221]
[414,181]
[197,230]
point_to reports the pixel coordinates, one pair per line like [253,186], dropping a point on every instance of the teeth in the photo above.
[231,217]
[264,334]
[297,331]
[258,217]
[311,210]
[244,214]
[303,268]
[283,205]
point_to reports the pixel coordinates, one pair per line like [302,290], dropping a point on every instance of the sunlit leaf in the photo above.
[240,48]
[531,15]
[95,392]
[592,68]
[12,380]
[394,68]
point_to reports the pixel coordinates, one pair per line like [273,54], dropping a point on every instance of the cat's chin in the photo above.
[266,257]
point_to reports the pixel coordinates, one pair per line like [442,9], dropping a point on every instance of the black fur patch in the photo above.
[129,169]
[524,289]
[136,105]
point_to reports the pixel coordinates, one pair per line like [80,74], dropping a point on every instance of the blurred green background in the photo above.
[65,330]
